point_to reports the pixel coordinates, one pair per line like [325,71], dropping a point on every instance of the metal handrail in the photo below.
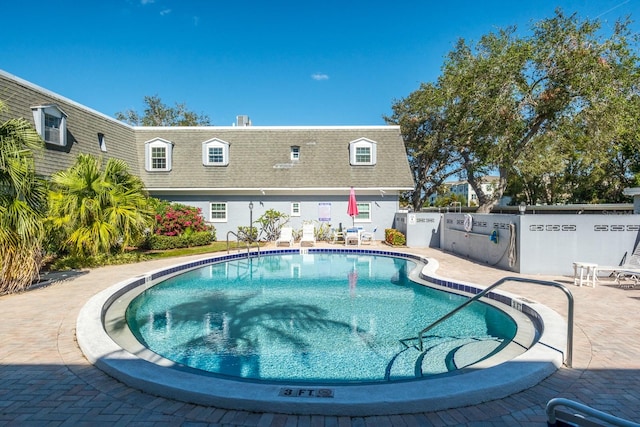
[587,410]
[238,239]
[569,358]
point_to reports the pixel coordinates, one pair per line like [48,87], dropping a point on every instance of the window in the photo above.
[215,152]
[295,209]
[362,152]
[218,212]
[215,155]
[51,124]
[158,155]
[364,212]
[295,152]
[102,142]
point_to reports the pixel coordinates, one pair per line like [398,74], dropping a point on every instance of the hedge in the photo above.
[160,242]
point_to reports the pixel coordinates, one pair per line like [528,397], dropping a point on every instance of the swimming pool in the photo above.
[324,317]
[107,342]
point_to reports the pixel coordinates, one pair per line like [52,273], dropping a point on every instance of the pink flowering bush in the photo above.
[177,219]
[178,226]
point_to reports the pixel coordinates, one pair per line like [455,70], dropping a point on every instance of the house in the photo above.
[233,173]
[464,189]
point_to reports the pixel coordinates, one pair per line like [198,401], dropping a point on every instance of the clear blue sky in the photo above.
[280,62]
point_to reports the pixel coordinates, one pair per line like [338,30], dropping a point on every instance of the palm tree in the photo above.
[22,205]
[95,210]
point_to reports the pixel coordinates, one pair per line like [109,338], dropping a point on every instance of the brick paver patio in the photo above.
[45,380]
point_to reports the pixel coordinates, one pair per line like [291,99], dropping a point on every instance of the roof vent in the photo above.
[243,121]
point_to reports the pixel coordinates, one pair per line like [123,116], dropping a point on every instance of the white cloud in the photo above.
[196,21]
[144,2]
[165,12]
[319,76]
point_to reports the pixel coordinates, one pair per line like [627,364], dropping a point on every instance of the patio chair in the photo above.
[286,236]
[352,236]
[338,236]
[627,270]
[308,235]
[367,236]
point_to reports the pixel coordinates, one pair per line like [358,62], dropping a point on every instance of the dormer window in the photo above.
[102,142]
[158,155]
[295,152]
[51,124]
[215,152]
[362,152]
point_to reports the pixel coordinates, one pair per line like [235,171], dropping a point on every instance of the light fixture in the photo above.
[522,207]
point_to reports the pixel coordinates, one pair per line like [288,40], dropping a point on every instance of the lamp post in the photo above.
[522,207]
[250,222]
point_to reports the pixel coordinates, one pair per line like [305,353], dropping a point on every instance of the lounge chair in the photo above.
[627,270]
[308,235]
[367,236]
[286,236]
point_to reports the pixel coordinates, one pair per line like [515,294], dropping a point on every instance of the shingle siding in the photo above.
[261,157]
[83,126]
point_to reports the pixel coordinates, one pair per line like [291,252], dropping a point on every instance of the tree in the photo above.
[97,210]
[517,104]
[421,117]
[22,205]
[158,114]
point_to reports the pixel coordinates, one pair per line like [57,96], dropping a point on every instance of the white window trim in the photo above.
[362,142]
[363,220]
[211,143]
[39,113]
[226,212]
[295,153]
[154,143]
[293,213]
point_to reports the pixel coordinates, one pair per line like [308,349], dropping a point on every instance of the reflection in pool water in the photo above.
[318,317]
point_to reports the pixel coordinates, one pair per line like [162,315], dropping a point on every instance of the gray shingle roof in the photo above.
[259,157]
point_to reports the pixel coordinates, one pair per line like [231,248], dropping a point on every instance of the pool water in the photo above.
[310,318]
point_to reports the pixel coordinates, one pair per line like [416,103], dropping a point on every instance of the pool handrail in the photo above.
[238,240]
[569,355]
[552,415]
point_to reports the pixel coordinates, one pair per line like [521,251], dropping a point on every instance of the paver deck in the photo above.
[45,379]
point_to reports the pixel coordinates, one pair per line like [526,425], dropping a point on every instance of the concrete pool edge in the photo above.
[432,394]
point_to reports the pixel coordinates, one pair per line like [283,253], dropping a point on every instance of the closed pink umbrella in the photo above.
[352,208]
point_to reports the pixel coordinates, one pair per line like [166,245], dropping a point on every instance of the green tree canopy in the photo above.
[536,108]
[156,113]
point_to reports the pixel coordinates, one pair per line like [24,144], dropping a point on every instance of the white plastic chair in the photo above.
[286,236]
[367,236]
[352,236]
[308,235]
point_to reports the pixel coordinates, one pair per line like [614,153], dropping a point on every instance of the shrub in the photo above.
[394,237]
[243,234]
[176,219]
[271,223]
[162,242]
[74,262]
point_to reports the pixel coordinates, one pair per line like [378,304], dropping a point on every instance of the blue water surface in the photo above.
[331,318]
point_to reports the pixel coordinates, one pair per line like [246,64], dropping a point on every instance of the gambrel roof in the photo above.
[260,157]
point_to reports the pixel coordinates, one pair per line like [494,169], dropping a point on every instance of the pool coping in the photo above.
[469,388]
